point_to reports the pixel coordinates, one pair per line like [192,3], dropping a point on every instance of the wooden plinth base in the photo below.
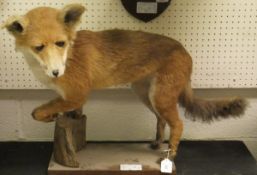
[105,158]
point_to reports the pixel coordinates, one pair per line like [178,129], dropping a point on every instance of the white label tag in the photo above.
[162,1]
[166,166]
[147,7]
[131,167]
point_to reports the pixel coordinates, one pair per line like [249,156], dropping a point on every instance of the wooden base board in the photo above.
[105,158]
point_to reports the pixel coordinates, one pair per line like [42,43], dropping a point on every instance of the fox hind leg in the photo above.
[164,93]
[142,89]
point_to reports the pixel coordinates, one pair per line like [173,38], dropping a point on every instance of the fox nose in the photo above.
[55,73]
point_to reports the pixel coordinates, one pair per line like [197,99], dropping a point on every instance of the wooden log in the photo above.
[69,137]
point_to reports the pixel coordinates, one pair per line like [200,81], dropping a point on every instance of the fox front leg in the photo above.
[42,115]
[49,111]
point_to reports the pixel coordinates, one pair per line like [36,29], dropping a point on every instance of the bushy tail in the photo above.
[209,110]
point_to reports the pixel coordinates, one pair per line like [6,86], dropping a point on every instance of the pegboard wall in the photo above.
[219,34]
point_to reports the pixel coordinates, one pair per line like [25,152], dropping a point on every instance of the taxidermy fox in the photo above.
[73,63]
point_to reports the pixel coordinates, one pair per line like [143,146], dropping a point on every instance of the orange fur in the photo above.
[158,67]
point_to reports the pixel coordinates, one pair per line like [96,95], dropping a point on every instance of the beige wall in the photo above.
[119,115]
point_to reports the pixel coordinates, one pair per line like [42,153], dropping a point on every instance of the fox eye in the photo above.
[60,43]
[39,48]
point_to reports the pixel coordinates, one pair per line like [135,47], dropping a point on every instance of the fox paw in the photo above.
[155,145]
[42,115]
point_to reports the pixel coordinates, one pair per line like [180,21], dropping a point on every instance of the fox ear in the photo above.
[71,14]
[16,25]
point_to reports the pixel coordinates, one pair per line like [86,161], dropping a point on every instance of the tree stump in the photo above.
[69,137]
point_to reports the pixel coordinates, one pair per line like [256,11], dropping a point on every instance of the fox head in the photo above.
[46,34]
